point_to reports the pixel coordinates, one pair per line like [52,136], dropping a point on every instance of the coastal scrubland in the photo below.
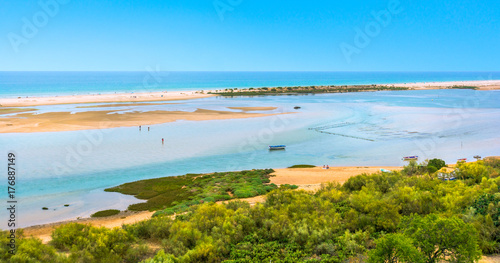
[302,90]
[176,194]
[413,215]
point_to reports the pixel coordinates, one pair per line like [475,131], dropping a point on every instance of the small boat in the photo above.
[409,158]
[277,147]
[296,107]
[462,160]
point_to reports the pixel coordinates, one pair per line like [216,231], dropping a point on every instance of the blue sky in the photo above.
[250,35]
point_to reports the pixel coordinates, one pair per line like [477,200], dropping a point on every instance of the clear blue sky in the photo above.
[253,35]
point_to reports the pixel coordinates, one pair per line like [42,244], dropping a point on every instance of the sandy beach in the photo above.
[66,121]
[312,178]
[102,98]
[481,84]
[186,95]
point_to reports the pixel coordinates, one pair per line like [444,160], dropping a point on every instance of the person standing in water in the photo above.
[162,141]
[148,128]
[140,127]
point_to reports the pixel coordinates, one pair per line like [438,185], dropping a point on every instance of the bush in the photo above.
[155,228]
[302,166]
[395,248]
[88,243]
[436,163]
[440,238]
[105,213]
[28,250]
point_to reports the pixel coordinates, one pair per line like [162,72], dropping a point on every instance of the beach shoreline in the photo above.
[189,95]
[481,84]
[104,98]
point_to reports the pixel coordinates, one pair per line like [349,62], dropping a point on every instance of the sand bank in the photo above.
[65,121]
[14,110]
[184,95]
[123,105]
[253,108]
[312,178]
[103,98]
[482,84]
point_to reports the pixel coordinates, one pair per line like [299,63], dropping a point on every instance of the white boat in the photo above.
[409,158]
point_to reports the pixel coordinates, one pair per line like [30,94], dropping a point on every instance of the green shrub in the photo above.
[88,243]
[437,163]
[302,166]
[105,213]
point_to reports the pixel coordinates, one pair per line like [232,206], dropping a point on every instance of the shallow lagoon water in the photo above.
[352,129]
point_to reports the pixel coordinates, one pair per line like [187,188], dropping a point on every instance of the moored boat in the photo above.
[462,160]
[409,158]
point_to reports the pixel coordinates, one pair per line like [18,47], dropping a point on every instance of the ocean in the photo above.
[22,84]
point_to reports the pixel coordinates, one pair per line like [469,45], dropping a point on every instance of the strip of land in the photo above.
[123,105]
[178,95]
[253,108]
[66,121]
[102,98]
[479,85]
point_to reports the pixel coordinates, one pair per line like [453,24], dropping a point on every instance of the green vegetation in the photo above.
[86,243]
[105,213]
[435,165]
[302,166]
[45,208]
[382,217]
[173,195]
[304,90]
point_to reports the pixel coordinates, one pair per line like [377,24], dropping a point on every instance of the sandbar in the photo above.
[103,98]
[66,121]
[481,84]
[253,108]
[123,105]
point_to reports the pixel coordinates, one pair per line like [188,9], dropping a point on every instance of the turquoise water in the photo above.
[358,129]
[21,84]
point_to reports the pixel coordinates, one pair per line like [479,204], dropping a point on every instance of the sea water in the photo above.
[349,129]
[22,84]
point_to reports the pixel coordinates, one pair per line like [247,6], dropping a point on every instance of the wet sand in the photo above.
[65,121]
[252,108]
[104,98]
